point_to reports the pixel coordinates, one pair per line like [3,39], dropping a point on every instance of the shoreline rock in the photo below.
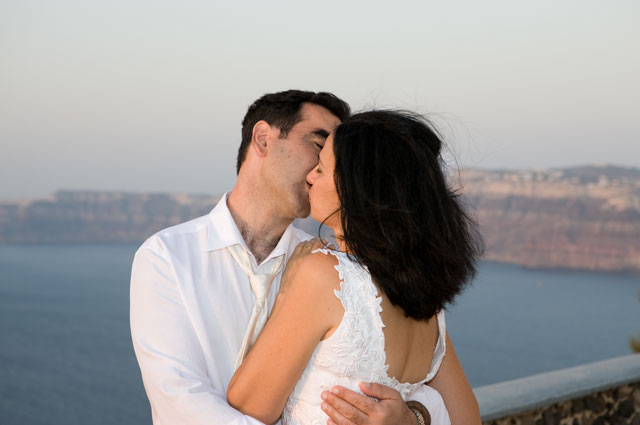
[585,218]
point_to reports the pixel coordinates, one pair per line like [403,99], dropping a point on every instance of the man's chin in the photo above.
[304,206]
[304,211]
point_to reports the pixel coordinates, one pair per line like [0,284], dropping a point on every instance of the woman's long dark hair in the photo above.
[399,217]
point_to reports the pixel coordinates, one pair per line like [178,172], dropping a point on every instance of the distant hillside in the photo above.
[584,217]
[579,218]
[70,217]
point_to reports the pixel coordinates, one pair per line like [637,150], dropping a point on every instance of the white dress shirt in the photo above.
[190,306]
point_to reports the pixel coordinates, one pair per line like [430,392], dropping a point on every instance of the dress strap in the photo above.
[339,255]
[441,347]
[356,288]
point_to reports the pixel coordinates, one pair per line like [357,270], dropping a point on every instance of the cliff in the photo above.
[82,217]
[577,218]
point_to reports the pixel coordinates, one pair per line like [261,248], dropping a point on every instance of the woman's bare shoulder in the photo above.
[319,270]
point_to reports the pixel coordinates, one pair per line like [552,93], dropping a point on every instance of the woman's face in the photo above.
[323,196]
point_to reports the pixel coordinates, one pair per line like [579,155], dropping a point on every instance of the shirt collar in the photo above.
[224,232]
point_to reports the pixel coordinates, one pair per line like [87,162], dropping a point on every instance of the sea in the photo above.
[66,354]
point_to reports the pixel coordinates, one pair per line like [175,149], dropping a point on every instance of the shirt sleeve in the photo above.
[171,360]
[432,400]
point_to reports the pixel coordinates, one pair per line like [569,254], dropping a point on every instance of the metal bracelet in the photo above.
[422,414]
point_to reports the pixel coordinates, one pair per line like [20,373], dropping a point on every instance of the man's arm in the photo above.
[168,352]
[346,407]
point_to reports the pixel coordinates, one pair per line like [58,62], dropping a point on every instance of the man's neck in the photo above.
[259,222]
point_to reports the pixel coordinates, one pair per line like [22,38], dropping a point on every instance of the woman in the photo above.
[372,310]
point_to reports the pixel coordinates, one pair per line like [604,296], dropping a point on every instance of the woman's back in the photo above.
[409,343]
[357,349]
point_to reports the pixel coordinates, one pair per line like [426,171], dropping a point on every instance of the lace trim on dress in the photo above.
[355,352]
[368,346]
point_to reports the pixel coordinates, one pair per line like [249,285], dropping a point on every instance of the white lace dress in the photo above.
[355,353]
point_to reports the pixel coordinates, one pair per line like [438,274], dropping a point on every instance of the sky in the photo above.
[149,95]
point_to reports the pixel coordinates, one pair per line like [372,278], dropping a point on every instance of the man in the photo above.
[194,308]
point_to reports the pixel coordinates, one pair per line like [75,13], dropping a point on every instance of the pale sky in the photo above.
[148,96]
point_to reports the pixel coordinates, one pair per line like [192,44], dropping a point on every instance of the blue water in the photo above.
[66,356]
[65,350]
[514,322]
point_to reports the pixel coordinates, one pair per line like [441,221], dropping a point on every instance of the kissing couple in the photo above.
[238,317]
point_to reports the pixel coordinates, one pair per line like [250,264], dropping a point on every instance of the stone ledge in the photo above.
[533,392]
[617,406]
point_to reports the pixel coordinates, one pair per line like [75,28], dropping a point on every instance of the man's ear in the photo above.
[260,137]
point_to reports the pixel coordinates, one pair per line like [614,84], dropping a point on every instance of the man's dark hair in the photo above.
[283,110]
[400,218]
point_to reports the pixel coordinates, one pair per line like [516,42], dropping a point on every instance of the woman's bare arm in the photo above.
[454,388]
[305,310]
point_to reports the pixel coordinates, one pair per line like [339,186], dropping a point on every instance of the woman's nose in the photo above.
[310,176]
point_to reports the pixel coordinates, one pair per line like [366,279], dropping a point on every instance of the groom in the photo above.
[192,302]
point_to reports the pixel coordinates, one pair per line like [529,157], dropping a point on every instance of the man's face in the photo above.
[323,195]
[290,160]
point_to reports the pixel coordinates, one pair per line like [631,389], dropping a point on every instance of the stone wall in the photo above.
[600,393]
[617,406]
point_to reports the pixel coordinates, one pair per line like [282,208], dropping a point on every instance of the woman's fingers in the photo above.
[317,243]
[307,247]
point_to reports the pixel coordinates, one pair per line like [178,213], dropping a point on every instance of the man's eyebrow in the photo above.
[320,132]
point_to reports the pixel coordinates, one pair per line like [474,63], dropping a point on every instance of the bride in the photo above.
[373,309]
